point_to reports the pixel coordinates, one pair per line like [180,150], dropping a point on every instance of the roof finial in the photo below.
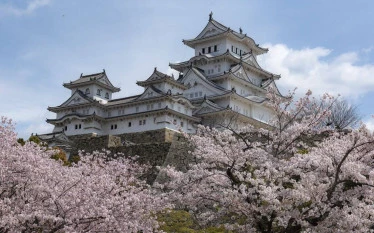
[240,30]
[210,16]
[155,69]
[81,75]
[104,71]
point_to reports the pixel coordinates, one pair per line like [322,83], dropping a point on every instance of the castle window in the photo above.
[140,122]
[76,126]
[215,48]
[191,95]
[209,49]
[87,91]
[232,48]
[196,94]
[98,92]
[80,126]
[236,50]
[182,124]
[129,124]
[203,50]
[200,93]
[107,95]
[144,122]
[66,128]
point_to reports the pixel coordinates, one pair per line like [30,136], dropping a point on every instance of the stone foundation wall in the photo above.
[154,148]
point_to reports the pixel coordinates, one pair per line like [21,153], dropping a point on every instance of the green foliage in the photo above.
[303,151]
[304,205]
[74,159]
[60,155]
[349,184]
[34,139]
[21,141]
[172,221]
[176,221]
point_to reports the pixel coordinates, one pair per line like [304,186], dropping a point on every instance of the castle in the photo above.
[221,82]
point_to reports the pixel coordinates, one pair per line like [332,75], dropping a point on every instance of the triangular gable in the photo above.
[150,92]
[104,79]
[239,72]
[157,75]
[251,60]
[270,84]
[210,30]
[197,83]
[207,106]
[77,98]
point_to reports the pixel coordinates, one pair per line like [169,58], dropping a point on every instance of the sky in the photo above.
[325,46]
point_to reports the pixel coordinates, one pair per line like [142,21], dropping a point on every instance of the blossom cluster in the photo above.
[39,194]
[296,176]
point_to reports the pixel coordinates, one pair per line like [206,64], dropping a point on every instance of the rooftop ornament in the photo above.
[210,16]
[240,30]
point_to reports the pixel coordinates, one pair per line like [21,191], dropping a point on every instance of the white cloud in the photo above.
[318,70]
[171,71]
[370,124]
[8,9]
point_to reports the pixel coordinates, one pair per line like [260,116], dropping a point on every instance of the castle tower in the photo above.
[224,77]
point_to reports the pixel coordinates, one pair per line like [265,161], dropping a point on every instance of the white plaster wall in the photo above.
[220,47]
[262,113]
[241,107]
[152,122]
[71,128]
[238,45]
[174,90]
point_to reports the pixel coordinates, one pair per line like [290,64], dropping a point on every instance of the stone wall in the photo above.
[155,148]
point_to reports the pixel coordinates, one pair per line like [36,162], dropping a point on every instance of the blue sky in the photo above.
[326,46]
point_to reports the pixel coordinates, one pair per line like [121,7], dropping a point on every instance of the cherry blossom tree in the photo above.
[38,194]
[296,176]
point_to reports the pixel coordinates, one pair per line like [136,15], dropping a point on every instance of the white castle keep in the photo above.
[221,85]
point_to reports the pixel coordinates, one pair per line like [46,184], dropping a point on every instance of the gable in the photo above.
[104,79]
[209,30]
[251,60]
[76,99]
[273,86]
[154,77]
[207,106]
[242,74]
[150,92]
[200,85]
